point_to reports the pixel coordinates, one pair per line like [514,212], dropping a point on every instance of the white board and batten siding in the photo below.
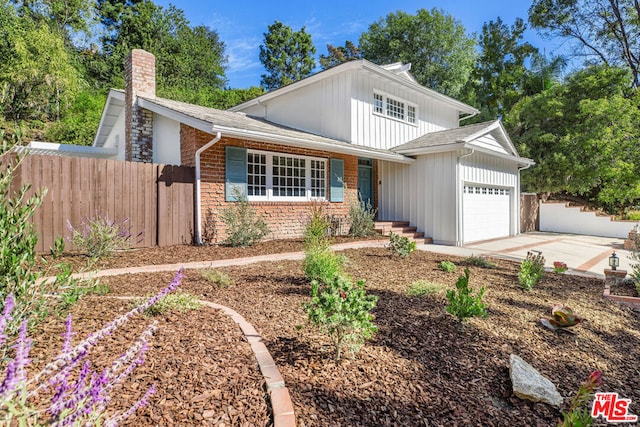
[116,137]
[423,193]
[430,194]
[321,108]
[379,131]
[341,107]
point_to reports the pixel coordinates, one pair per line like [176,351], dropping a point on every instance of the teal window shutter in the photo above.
[235,172]
[337,180]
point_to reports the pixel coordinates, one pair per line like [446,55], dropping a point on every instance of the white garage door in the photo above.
[486,213]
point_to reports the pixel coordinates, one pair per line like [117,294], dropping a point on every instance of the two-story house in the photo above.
[355,130]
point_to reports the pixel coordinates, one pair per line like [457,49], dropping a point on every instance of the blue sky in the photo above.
[241,24]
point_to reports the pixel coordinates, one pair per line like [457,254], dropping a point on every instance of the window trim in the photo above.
[269,197]
[405,110]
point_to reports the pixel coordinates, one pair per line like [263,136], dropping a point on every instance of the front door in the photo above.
[365,180]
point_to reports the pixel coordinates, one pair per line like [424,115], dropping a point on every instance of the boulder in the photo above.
[530,384]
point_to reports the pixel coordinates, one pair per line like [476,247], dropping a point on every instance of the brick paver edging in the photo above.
[281,404]
[632,302]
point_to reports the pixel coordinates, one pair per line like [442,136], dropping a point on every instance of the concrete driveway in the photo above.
[586,254]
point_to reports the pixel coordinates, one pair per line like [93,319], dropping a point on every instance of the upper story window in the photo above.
[378,103]
[394,108]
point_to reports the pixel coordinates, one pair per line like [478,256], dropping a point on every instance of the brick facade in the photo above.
[284,218]
[140,80]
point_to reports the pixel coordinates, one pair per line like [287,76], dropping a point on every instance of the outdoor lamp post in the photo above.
[614,261]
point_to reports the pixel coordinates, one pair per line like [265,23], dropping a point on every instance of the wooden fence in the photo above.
[529,212]
[156,199]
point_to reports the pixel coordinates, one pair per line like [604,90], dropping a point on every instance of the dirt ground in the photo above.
[423,367]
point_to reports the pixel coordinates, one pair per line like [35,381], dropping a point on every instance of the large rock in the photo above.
[530,384]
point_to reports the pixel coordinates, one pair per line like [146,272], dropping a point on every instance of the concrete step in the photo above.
[403,228]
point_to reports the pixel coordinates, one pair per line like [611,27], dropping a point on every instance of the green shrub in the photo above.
[343,310]
[322,264]
[462,303]
[181,302]
[71,294]
[216,277]
[400,245]
[317,225]
[424,287]
[244,226]
[361,217]
[447,266]
[479,261]
[531,270]
[101,237]
[632,216]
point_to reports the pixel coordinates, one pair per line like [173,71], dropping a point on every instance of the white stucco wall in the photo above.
[558,218]
[166,140]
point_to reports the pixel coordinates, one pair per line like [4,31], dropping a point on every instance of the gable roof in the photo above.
[110,113]
[395,72]
[465,137]
[240,125]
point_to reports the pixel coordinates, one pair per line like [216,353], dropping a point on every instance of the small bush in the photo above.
[531,270]
[216,277]
[101,237]
[424,287]
[322,264]
[361,217]
[244,226]
[479,261]
[317,225]
[447,266]
[579,413]
[343,310]
[72,292]
[559,267]
[400,245]
[632,216]
[462,303]
[181,302]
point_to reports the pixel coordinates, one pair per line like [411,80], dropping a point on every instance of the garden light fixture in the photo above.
[614,261]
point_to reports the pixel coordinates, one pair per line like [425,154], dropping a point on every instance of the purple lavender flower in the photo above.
[114,421]
[16,373]
[5,318]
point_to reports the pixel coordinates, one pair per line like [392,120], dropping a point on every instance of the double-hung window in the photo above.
[280,177]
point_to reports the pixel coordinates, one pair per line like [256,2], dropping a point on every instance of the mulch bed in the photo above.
[423,367]
[204,370]
[177,254]
[624,288]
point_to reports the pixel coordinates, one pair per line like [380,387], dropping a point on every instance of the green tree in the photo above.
[500,73]
[79,122]
[63,16]
[185,56]
[337,55]
[583,136]
[604,32]
[543,73]
[286,55]
[37,78]
[441,54]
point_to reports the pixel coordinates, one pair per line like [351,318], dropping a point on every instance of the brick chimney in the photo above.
[140,80]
